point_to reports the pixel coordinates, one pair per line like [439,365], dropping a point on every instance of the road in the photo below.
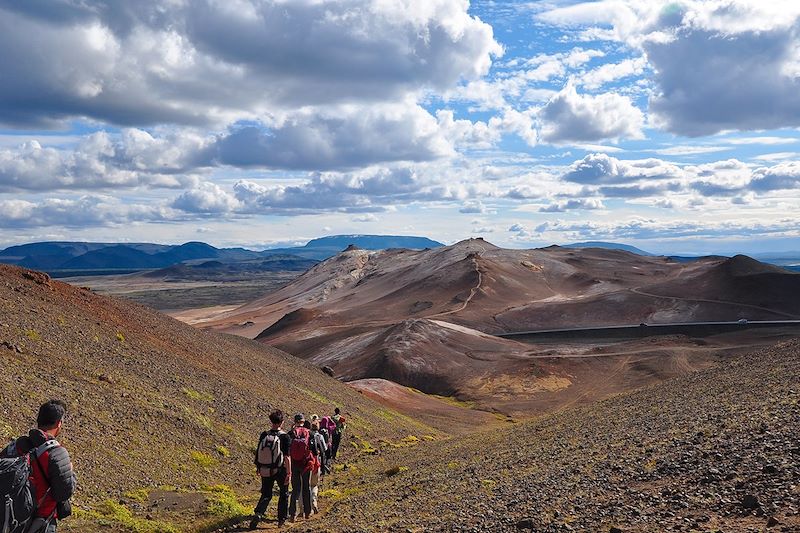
[649,330]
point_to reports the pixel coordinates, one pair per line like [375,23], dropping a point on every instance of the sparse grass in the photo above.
[223,451]
[393,471]
[411,439]
[115,515]
[197,395]
[488,484]
[120,337]
[6,432]
[223,503]
[464,404]
[139,495]
[202,459]
[318,397]
[334,494]
[33,335]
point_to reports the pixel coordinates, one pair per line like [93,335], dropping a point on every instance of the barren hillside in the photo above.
[154,402]
[425,319]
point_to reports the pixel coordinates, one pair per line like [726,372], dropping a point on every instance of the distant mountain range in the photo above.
[76,257]
[325,247]
[609,246]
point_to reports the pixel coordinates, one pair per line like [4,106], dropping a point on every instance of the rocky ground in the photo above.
[713,451]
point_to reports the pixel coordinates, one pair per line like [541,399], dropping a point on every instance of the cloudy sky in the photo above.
[671,126]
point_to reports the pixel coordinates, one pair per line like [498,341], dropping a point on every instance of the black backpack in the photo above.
[17,503]
[16,492]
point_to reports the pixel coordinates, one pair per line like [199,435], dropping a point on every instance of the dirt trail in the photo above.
[472,294]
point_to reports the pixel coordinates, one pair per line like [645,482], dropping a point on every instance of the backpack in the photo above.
[339,421]
[17,504]
[269,456]
[300,448]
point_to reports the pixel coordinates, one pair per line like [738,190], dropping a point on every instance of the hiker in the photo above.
[327,426]
[339,420]
[303,462]
[274,465]
[319,448]
[326,437]
[51,474]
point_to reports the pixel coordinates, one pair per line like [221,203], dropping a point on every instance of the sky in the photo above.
[671,126]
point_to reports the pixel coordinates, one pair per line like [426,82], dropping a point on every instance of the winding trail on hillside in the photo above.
[637,290]
[473,291]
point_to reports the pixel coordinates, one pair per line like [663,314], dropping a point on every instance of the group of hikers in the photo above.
[301,458]
[37,479]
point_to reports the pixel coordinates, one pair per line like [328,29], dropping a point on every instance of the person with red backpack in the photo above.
[274,465]
[303,463]
[51,477]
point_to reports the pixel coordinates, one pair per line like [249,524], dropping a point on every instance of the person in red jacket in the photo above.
[51,468]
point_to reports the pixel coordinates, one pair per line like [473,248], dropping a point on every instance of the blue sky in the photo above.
[672,126]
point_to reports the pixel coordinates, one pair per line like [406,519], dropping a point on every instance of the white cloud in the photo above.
[483,230]
[744,57]
[473,207]
[596,169]
[368,217]
[609,72]
[653,178]
[570,117]
[206,198]
[77,212]
[778,156]
[134,158]
[648,228]
[764,139]
[344,137]
[573,204]
[190,63]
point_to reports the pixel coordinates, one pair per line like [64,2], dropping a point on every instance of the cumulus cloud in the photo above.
[604,169]
[206,198]
[349,137]
[473,207]
[134,158]
[614,178]
[77,212]
[188,63]
[744,57]
[571,117]
[367,217]
[648,228]
[610,72]
[573,204]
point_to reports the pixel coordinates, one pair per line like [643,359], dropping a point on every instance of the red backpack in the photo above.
[299,449]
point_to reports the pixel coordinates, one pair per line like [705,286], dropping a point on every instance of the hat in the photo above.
[299,417]
[314,418]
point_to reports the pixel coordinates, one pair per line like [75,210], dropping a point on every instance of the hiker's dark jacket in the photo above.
[57,482]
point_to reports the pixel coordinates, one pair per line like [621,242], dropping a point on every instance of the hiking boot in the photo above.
[281,523]
[307,516]
[256,519]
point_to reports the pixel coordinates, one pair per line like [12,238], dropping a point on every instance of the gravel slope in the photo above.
[716,450]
